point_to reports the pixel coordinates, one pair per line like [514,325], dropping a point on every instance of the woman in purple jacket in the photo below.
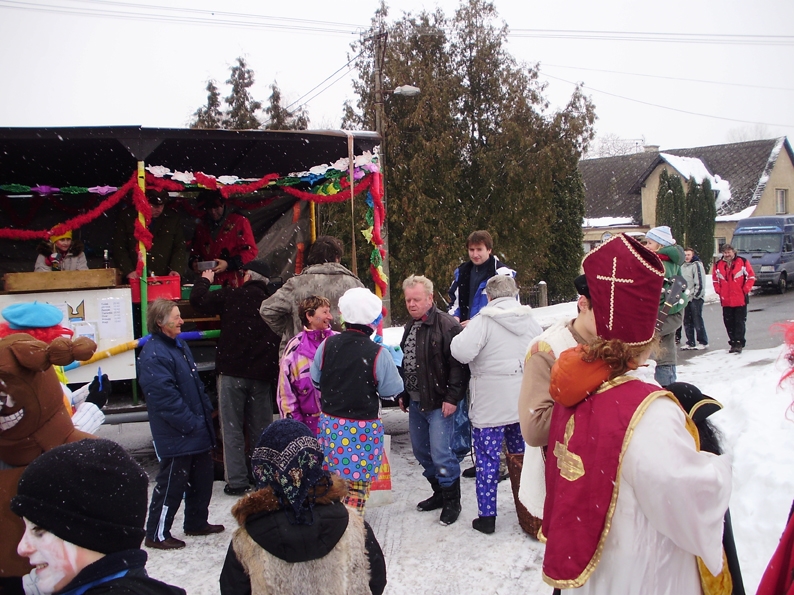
[296,396]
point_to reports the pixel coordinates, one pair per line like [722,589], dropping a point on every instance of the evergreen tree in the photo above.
[476,150]
[280,118]
[671,204]
[701,215]
[242,107]
[209,116]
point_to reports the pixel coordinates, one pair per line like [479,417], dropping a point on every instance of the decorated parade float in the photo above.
[59,180]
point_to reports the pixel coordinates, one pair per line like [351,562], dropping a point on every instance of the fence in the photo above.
[536,296]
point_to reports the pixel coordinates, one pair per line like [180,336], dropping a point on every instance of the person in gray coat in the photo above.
[494,345]
[692,270]
[323,275]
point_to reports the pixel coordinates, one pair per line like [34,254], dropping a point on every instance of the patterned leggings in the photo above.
[357,495]
[487,445]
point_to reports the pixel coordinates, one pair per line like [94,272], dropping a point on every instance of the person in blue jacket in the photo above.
[180,417]
[467,297]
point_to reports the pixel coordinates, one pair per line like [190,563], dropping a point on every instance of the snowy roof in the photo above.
[738,173]
[607,221]
[608,183]
[742,168]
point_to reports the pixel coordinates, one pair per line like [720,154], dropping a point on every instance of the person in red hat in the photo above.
[632,505]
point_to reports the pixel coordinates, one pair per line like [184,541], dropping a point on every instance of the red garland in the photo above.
[71,224]
[378,210]
[227,191]
[159,184]
[141,233]
[376,278]
[321,198]
[208,182]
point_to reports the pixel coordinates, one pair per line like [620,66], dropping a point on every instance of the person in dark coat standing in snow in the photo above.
[295,534]
[180,417]
[84,505]
[246,365]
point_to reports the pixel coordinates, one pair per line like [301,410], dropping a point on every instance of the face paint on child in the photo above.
[56,560]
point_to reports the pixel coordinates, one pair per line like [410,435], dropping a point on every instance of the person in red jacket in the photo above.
[733,279]
[223,236]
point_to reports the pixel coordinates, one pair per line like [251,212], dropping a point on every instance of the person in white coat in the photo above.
[494,344]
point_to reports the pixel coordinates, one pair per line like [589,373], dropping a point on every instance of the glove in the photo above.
[99,396]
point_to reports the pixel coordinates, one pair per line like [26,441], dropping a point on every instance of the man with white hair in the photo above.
[434,385]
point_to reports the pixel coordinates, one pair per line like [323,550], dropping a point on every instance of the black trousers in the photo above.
[735,319]
[189,477]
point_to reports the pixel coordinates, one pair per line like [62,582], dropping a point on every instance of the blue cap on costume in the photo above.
[31,315]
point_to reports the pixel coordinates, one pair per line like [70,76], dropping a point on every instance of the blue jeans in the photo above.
[431,440]
[665,374]
[693,323]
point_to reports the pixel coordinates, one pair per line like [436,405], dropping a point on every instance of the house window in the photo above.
[781,201]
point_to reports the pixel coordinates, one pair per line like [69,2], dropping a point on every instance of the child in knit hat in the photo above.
[61,253]
[660,240]
[353,373]
[84,507]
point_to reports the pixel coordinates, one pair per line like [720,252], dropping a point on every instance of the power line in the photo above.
[646,36]
[320,84]
[206,19]
[671,78]
[673,109]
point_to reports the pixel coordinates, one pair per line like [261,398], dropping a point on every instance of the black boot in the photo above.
[738,347]
[435,501]
[733,348]
[484,524]
[451,510]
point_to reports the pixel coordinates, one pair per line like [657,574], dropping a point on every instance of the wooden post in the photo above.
[351,166]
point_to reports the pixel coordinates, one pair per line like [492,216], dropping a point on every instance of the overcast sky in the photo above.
[146,62]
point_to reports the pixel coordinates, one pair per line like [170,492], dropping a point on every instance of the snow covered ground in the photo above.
[425,557]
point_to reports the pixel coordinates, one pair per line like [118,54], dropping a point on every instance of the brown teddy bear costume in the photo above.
[33,420]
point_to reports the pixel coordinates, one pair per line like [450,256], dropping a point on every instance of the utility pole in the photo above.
[379,40]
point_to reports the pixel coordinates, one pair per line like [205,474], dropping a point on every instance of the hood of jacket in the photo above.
[674,254]
[265,520]
[510,314]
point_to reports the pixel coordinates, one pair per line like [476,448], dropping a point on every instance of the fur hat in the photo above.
[289,460]
[625,281]
[359,305]
[90,493]
[661,235]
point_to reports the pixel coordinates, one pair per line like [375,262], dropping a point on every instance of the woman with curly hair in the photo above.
[633,506]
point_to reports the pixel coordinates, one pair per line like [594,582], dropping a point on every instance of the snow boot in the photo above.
[484,524]
[451,509]
[733,348]
[738,348]
[435,501]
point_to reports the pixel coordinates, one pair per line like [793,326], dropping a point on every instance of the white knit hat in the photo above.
[661,235]
[360,306]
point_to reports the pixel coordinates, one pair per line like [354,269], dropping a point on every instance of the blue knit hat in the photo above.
[661,235]
[289,460]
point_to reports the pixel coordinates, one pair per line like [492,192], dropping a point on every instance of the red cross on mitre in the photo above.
[625,282]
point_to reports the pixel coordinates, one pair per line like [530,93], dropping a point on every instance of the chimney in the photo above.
[651,148]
